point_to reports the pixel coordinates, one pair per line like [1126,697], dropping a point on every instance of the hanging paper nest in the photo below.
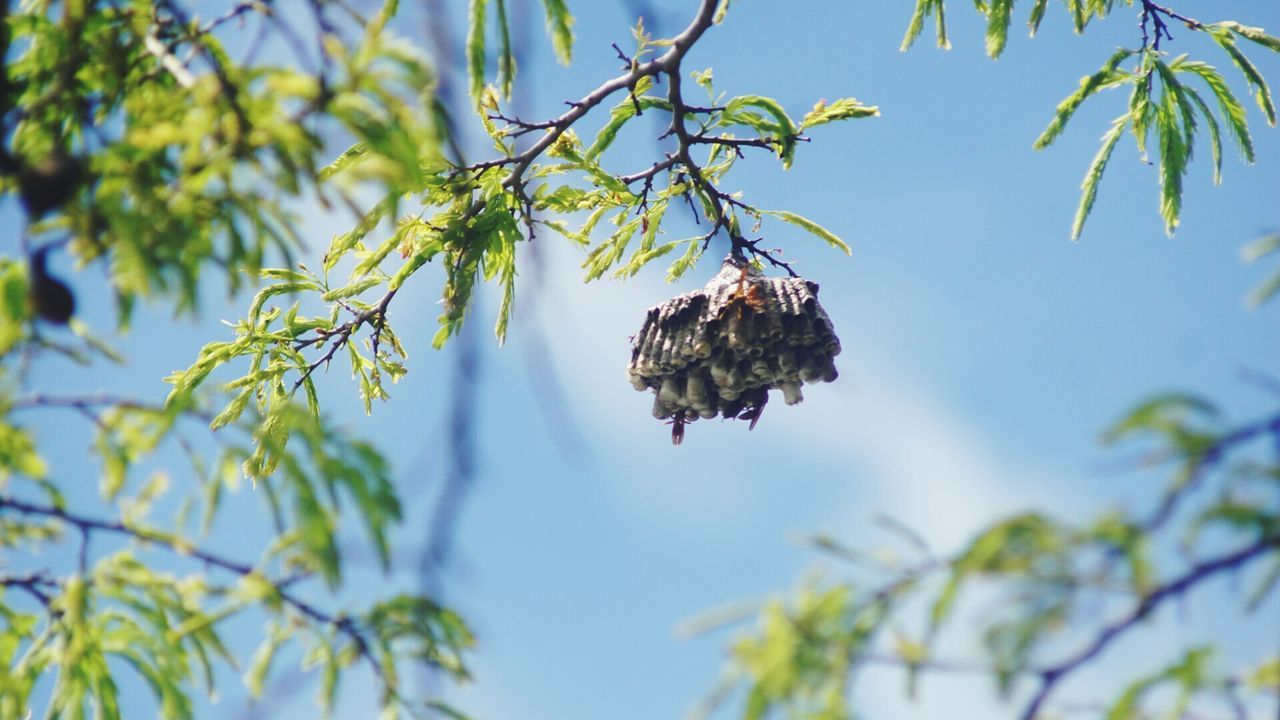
[721,349]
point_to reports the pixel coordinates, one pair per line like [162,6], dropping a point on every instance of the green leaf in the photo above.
[1012,546]
[685,261]
[508,272]
[1266,675]
[1093,177]
[199,621]
[842,109]
[810,226]
[1037,14]
[344,243]
[1173,160]
[1184,104]
[1264,292]
[941,25]
[621,113]
[506,57]
[476,52]
[412,264]
[1232,110]
[606,254]
[352,290]
[1141,111]
[786,131]
[349,157]
[999,16]
[722,8]
[233,410]
[925,8]
[1251,73]
[916,25]
[329,677]
[1254,34]
[560,27]
[643,257]
[1163,413]
[1089,85]
[1215,131]
[1259,594]
[447,711]
[270,291]
[1188,674]
[260,666]
[1261,247]
[1078,17]
[18,454]
[1255,251]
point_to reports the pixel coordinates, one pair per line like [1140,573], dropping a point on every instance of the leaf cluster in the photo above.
[1167,95]
[120,608]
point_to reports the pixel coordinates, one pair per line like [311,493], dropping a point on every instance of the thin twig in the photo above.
[376,316]
[1151,13]
[34,584]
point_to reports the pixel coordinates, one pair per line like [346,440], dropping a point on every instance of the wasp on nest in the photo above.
[721,349]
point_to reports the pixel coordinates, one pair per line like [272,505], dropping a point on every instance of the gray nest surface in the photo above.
[721,349]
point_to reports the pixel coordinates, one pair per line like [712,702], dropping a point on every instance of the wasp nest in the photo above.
[721,349]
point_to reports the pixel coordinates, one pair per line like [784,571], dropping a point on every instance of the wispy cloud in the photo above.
[910,455]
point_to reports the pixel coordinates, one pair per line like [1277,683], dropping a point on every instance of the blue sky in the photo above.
[983,354]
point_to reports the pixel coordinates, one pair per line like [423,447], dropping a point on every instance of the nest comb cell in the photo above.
[718,351]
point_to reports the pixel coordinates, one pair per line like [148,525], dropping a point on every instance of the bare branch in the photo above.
[34,584]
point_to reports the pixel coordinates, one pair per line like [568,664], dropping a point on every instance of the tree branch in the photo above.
[80,402]
[649,174]
[668,63]
[1151,12]
[375,316]
[87,525]
[34,584]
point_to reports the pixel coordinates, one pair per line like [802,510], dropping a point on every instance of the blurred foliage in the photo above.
[1047,595]
[136,141]
[175,153]
[1264,247]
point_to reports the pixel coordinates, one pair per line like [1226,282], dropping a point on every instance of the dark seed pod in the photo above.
[49,183]
[52,299]
[721,349]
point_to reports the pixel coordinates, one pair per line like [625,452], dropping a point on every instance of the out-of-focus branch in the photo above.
[89,403]
[1205,461]
[1199,573]
[87,525]
[37,585]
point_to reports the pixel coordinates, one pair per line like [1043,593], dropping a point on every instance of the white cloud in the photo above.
[912,457]
[931,469]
